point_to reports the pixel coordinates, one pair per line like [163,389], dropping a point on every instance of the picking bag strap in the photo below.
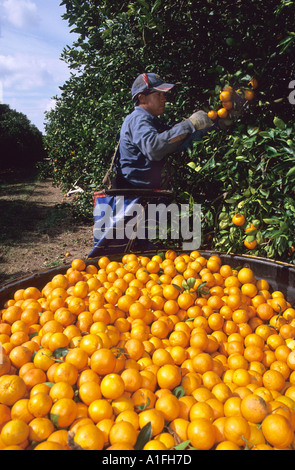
[107,180]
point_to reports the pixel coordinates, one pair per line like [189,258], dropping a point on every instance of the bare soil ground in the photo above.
[37,229]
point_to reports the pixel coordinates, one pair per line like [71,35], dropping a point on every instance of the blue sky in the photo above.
[32,37]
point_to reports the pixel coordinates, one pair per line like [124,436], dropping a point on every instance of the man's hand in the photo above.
[200,120]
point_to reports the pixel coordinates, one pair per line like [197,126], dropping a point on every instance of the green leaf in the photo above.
[185,285]
[274,234]
[156,5]
[60,352]
[54,419]
[279,123]
[50,384]
[179,392]
[291,172]
[182,446]
[145,405]
[192,165]
[191,282]
[201,290]
[143,437]
[271,221]
[177,287]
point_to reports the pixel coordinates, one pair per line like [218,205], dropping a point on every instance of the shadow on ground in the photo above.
[36,226]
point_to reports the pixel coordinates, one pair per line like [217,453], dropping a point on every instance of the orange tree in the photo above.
[21,142]
[203,47]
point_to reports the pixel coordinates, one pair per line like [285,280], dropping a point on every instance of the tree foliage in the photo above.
[202,45]
[21,142]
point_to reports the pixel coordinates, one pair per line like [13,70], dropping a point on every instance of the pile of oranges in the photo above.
[197,353]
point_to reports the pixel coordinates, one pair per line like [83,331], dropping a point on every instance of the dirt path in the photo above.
[36,227]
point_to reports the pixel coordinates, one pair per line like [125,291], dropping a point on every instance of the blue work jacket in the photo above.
[144,144]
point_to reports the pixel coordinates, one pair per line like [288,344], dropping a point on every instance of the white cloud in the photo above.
[23,72]
[21,13]
[32,37]
[50,105]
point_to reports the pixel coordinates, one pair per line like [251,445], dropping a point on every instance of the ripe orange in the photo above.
[66,372]
[89,437]
[103,361]
[12,389]
[227,445]
[254,83]
[112,386]
[179,338]
[225,96]
[78,358]
[254,408]
[265,311]
[202,363]
[237,430]
[32,293]
[167,439]
[64,412]
[250,244]
[273,380]
[201,433]
[40,429]
[14,432]
[228,105]
[154,445]
[100,409]
[246,275]
[170,292]
[134,348]
[212,114]
[123,432]
[61,390]
[153,416]
[78,264]
[20,355]
[169,406]
[249,95]
[39,405]
[18,411]
[201,410]
[169,376]
[222,113]
[185,300]
[132,379]
[238,219]
[137,310]
[89,391]
[58,340]
[76,305]
[160,329]
[90,343]
[59,437]
[161,356]
[277,430]
[143,398]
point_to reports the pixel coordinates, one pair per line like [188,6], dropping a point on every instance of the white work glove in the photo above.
[200,120]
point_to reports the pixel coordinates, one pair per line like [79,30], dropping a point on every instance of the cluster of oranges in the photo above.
[250,229]
[229,97]
[200,354]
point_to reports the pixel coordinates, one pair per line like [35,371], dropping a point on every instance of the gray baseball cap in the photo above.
[149,82]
